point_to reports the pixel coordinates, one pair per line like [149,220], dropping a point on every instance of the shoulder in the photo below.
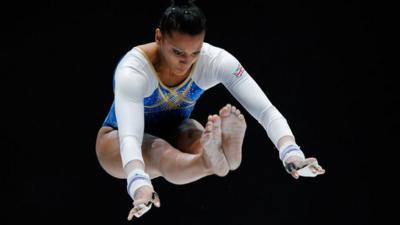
[211,51]
[214,54]
[148,50]
[135,58]
[134,69]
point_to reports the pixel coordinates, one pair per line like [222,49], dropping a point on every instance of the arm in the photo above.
[130,88]
[259,106]
[129,94]
[244,89]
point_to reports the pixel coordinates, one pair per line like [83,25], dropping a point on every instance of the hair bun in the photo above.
[181,2]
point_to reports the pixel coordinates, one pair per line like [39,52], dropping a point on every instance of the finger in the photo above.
[132,213]
[130,216]
[142,209]
[140,212]
[308,161]
[313,169]
[313,165]
[295,174]
[156,200]
[138,206]
[135,213]
[320,170]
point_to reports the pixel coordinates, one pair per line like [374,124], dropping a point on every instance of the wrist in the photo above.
[290,150]
[136,179]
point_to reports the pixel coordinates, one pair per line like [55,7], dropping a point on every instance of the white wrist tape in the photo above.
[290,150]
[137,178]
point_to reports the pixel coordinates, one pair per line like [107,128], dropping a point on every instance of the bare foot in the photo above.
[212,143]
[233,129]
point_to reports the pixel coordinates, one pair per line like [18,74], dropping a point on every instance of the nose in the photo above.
[184,62]
[186,59]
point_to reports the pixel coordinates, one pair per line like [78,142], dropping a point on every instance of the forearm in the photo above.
[285,141]
[133,165]
[129,110]
[244,89]
[259,106]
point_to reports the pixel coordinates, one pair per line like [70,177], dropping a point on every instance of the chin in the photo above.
[180,72]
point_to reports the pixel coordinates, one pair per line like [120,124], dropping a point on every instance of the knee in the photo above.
[160,144]
[106,139]
[190,125]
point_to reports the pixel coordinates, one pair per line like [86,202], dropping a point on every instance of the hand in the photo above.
[144,198]
[298,166]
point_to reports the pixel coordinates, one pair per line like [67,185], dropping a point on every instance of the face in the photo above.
[179,51]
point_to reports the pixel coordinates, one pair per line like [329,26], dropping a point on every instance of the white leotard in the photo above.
[140,96]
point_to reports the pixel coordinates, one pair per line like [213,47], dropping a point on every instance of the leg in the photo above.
[155,152]
[233,130]
[194,139]
[160,158]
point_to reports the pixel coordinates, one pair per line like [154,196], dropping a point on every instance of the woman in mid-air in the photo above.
[148,132]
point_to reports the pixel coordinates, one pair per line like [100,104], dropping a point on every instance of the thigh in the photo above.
[108,152]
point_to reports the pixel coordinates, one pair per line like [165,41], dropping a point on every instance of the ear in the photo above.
[158,36]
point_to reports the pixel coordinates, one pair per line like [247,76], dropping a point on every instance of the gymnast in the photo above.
[148,131]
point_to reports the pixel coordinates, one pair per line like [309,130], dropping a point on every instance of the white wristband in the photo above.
[137,178]
[290,150]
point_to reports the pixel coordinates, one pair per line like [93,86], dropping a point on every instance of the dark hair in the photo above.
[182,16]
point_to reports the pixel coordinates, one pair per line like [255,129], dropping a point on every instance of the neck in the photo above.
[168,77]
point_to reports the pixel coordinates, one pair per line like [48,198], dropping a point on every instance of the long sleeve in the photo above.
[244,89]
[130,88]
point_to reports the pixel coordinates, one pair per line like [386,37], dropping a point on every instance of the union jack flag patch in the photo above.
[239,71]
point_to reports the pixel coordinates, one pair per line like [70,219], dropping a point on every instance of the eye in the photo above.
[178,53]
[196,53]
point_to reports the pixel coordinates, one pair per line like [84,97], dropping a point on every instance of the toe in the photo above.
[237,112]
[209,126]
[225,111]
[233,109]
[216,120]
[241,117]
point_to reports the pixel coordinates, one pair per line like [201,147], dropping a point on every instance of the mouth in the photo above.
[182,69]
